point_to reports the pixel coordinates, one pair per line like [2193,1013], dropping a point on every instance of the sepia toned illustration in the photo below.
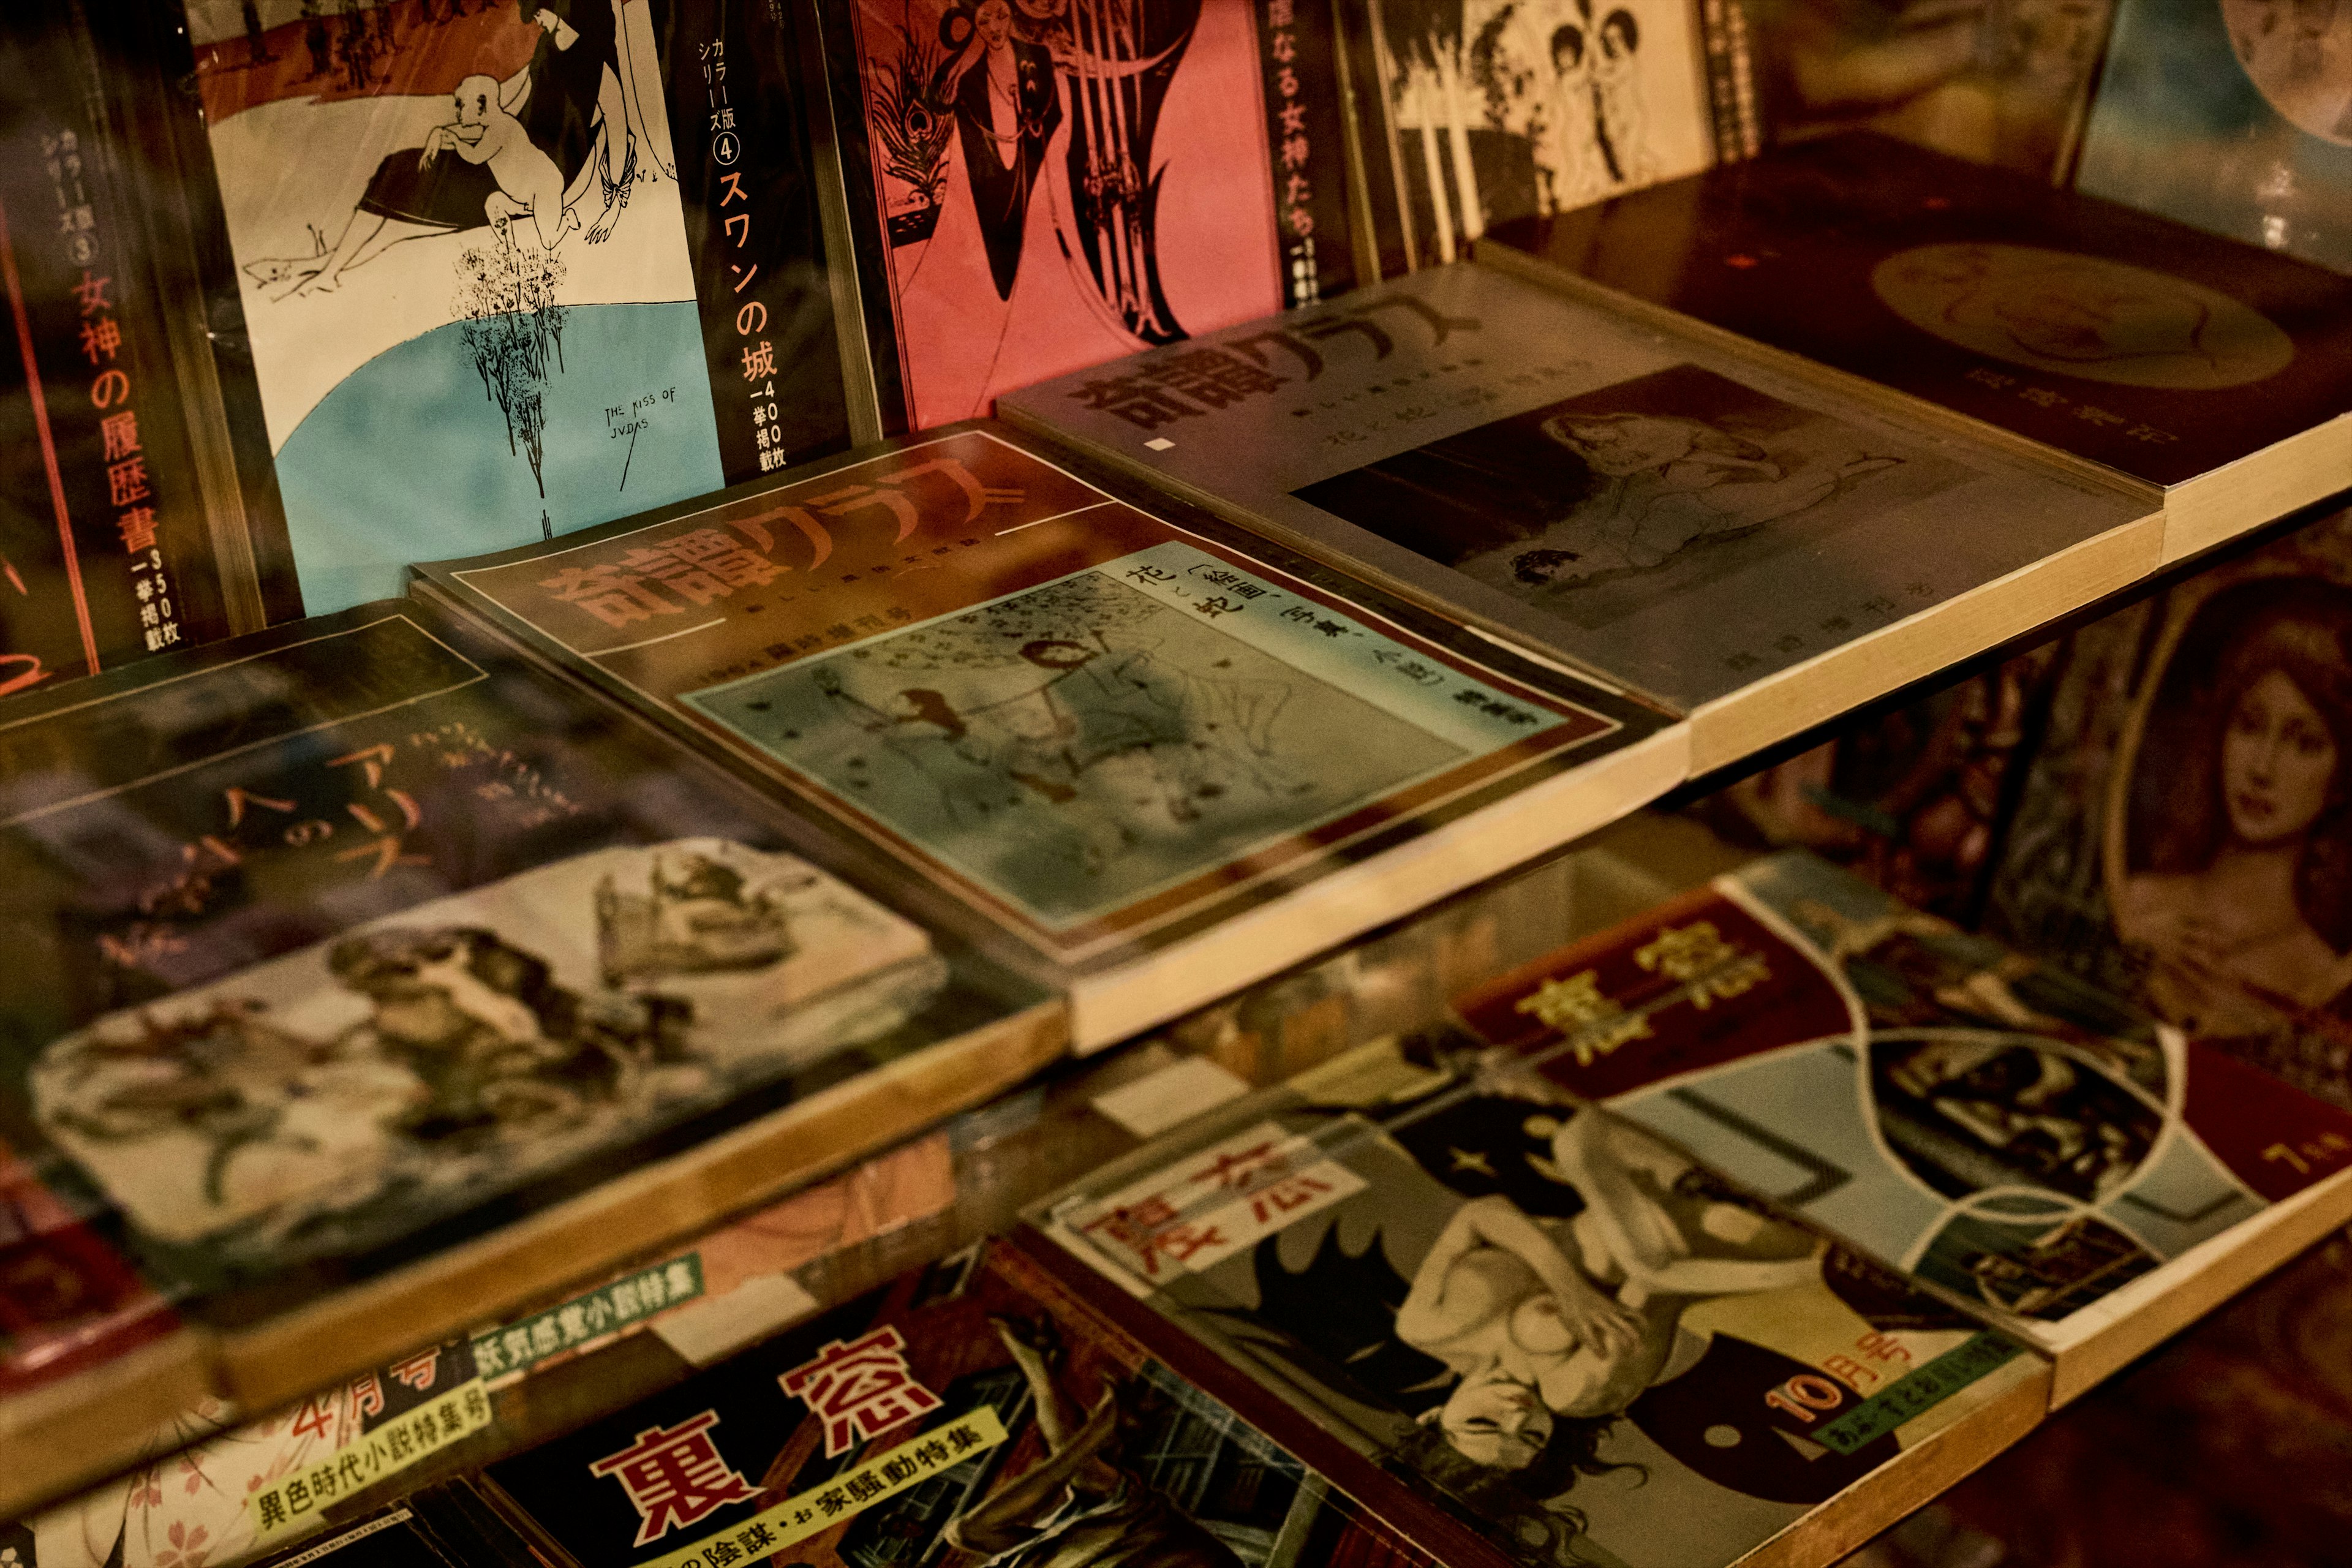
[2051,1123]
[2082,315]
[2237,867]
[363,1085]
[1969,1108]
[2185,824]
[1504,109]
[1913,801]
[1061,183]
[1607,503]
[1077,746]
[1544,1315]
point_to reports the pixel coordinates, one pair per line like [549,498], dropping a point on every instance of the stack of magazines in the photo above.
[613,608]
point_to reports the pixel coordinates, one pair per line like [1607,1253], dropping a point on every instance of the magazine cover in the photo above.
[1097,723]
[1582,1343]
[1653,509]
[341,941]
[1039,187]
[2235,117]
[1987,1123]
[225,1491]
[2153,350]
[2180,833]
[510,270]
[1481,110]
[972,1412]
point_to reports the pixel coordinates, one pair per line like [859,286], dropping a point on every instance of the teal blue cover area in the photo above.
[1085,743]
[2180,127]
[411,458]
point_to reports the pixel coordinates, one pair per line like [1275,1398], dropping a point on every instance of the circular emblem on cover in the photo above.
[2082,316]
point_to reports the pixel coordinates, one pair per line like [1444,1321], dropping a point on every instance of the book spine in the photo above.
[170,213]
[1306,149]
[859,238]
[744,150]
[104,575]
[1730,80]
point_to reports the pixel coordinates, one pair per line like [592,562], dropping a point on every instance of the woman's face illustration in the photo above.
[1620,448]
[1495,1420]
[994,21]
[2278,762]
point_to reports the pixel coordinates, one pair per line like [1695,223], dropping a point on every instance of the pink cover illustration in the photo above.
[1061,183]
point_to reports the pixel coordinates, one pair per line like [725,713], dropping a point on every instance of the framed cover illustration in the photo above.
[1986,1122]
[2181,831]
[2159,352]
[1537,1315]
[342,943]
[1657,509]
[507,271]
[1108,729]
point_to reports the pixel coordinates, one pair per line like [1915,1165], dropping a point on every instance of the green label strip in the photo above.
[1916,1393]
[521,1345]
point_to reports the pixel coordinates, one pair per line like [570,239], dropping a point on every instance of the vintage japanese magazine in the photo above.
[1162,756]
[342,948]
[505,271]
[1745,547]
[2007,83]
[973,1411]
[1035,187]
[2212,374]
[1564,1334]
[2005,1133]
[1472,113]
[240,1491]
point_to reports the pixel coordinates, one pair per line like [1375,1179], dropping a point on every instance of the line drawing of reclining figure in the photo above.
[1671,482]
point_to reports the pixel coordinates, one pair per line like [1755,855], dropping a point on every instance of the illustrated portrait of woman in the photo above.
[2230,852]
[1007,107]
